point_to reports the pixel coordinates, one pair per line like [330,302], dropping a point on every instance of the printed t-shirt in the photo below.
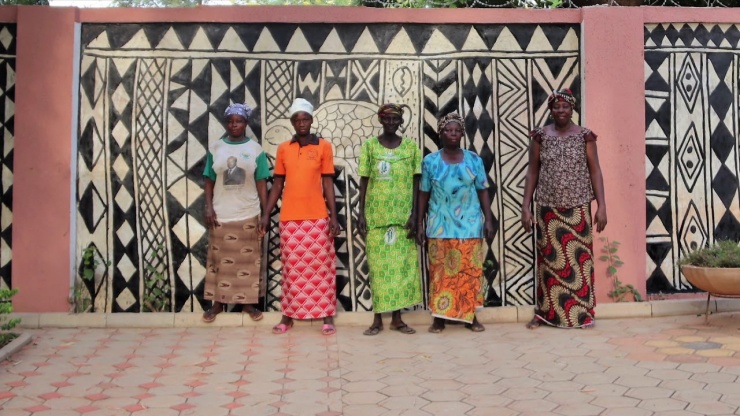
[303,167]
[454,208]
[234,167]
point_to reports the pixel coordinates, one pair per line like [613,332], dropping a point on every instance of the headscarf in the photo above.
[390,108]
[453,117]
[242,110]
[300,104]
[561,95]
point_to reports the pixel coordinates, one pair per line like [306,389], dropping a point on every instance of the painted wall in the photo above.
[152,85]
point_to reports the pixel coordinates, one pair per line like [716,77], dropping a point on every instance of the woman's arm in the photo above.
[597,182]
[275,192]
[328,184]
[262,194]
[530,183]
[209,213]
[361,221]
[485,206]
[423,204]
[411,225]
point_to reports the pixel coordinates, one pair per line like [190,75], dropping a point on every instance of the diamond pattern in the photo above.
[146,123]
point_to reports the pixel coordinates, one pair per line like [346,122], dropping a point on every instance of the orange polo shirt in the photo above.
[303,167]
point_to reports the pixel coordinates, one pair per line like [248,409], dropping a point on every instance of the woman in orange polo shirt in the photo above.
[304,176]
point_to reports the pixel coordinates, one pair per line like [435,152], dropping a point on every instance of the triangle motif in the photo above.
[266,43]
[232,42]
[200,42]
[139,41]
[506,42]
[437,44]
[170,40]
[366,43]
[401,44]
[474,42]
[332,44]
[298,43]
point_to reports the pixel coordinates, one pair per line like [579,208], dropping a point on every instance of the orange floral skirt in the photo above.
[455,277]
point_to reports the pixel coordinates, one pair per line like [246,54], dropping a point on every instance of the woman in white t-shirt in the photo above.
[236,176]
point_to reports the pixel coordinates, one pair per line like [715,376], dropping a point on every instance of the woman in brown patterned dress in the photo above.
[564,168]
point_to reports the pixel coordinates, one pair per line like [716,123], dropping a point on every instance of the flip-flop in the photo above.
[281,328]
[476,327]
[373,330]
[435,329]
[403,328]
[210,315]
[533,324]
[328,329]
[255,314]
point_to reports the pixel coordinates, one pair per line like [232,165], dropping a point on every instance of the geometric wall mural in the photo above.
[691,146]
[152,95]
[7,114]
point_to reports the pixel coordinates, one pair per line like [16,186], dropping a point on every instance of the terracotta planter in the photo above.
[717,281]
[721,282]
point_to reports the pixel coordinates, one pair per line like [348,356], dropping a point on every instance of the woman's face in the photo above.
[561,112]
[301,122]
[236,126]
[390,123]
[451,134]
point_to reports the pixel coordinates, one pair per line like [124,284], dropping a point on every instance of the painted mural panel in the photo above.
[7,137]
[691,146]
[152,96]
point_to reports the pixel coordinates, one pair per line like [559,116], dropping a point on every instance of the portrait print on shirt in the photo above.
[234,175]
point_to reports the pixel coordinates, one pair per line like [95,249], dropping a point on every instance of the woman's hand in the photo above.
[411,227]
[421,236]
[334,226]
[362,225]
[600,219]
[527,219]
[263,226]
[210,217]
[488,229]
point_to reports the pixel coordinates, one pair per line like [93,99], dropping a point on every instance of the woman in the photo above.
[236,175]
[454,187]
[390,167]
[304,176]
[564,168]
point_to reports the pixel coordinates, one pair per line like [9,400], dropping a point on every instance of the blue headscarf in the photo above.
[242,110]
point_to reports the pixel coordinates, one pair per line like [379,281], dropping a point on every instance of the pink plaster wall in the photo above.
[616,113]
[42,161]
[613,107]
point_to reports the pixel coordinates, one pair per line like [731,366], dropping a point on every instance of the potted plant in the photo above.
[714,269]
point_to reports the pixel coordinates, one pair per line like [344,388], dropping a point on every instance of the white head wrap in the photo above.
[299,104]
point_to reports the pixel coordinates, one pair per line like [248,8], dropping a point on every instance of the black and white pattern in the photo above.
[7,115]
[691,121]
[152,97]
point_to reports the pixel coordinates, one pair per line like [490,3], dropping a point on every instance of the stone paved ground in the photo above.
[660,366]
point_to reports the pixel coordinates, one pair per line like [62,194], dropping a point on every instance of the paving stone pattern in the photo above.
[660,366]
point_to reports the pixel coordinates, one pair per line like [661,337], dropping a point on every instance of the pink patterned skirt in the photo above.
[309,269]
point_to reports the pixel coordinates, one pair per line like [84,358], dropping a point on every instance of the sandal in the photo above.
[210,315]
[253,313]
[403,328]
[282,328]
[475,327]
[328,329]
[373,330]
[436,329]
[534,323]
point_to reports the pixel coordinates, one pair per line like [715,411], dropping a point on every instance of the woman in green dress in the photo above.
[390,169]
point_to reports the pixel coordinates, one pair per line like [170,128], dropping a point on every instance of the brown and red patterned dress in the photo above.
[565,266]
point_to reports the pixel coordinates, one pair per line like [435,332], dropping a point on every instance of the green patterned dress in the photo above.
[395,280]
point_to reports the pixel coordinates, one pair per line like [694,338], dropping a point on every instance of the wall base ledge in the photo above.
[506,314]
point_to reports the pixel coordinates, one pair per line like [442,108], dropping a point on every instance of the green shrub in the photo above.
[724,254]
[6,308]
